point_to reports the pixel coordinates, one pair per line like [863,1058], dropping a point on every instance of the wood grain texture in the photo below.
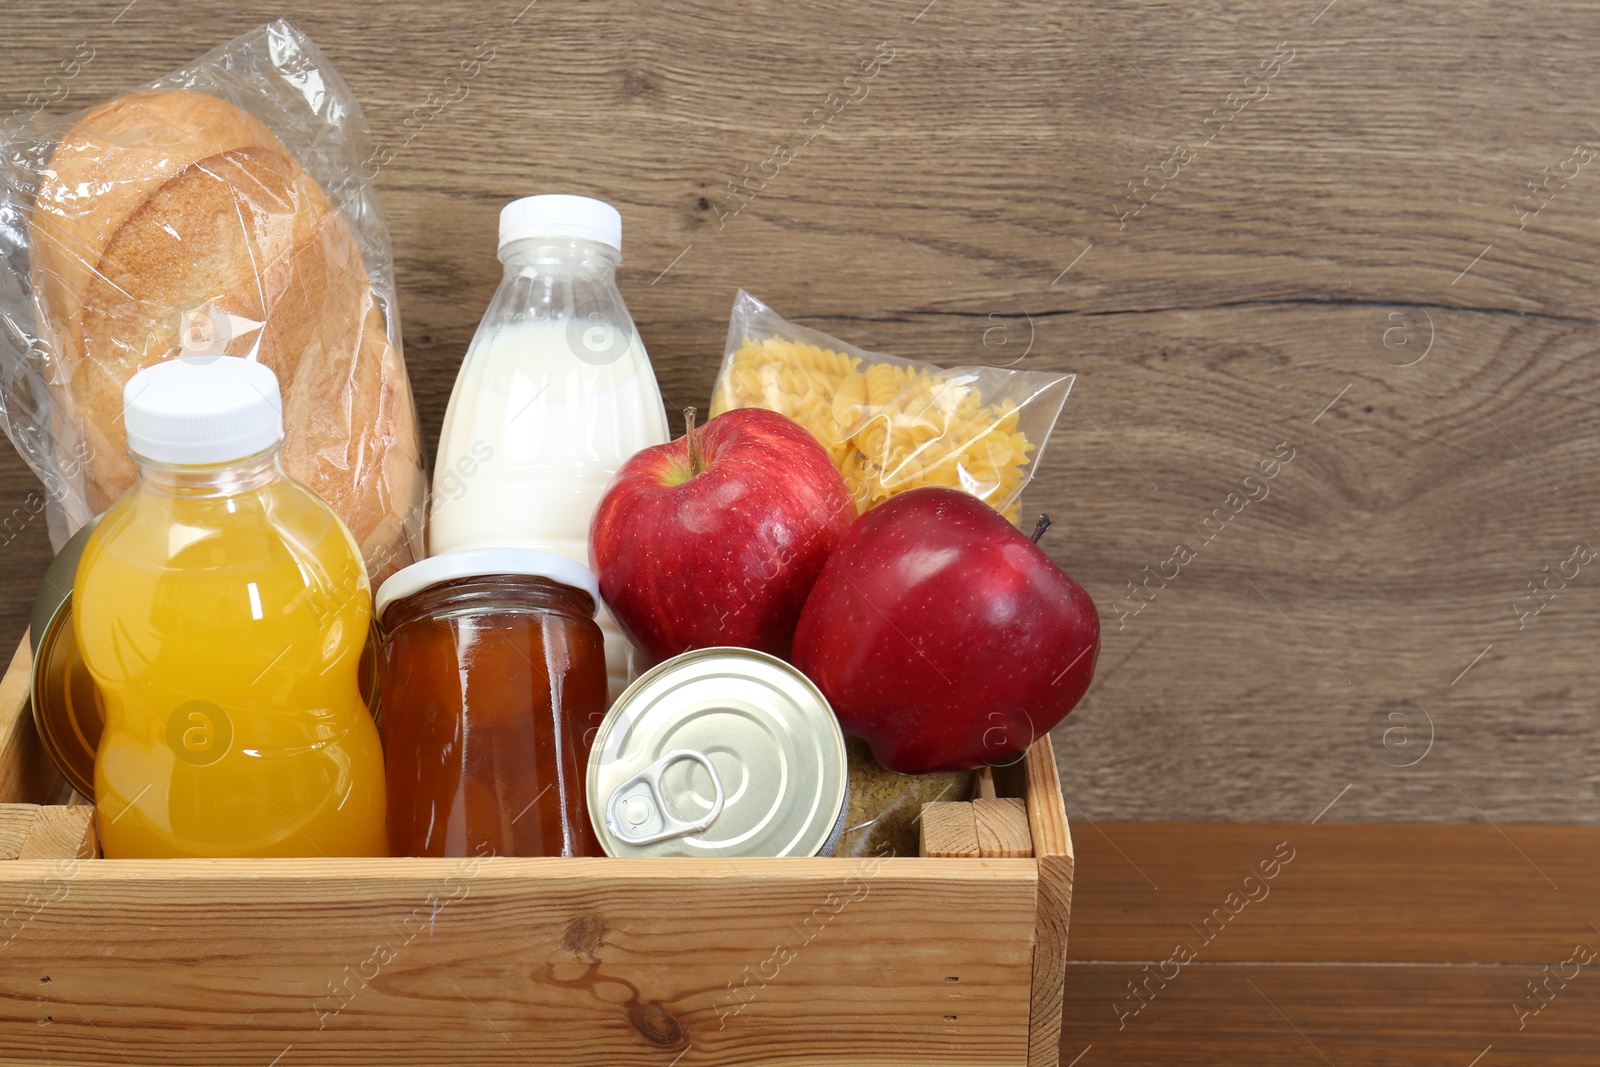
[1053,852]
[32,832]
[967,210]
[1402,944]
[16,821]
[26,773]
[1264,1015]
[61,831]
[593,962]
[1002,826]
[948,830]
[1470,895]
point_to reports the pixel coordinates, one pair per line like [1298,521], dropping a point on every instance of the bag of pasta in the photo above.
[893,424]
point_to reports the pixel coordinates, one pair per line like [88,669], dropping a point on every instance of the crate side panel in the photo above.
[581,962]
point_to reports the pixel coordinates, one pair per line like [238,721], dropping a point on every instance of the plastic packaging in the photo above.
[555,393]
[222,609]
[218,211]
[885,806]
[893,424]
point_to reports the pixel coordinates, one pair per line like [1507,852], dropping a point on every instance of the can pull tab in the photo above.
[637,811]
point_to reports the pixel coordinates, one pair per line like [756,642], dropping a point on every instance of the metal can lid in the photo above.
[56,589]
[67,713]
[718,752]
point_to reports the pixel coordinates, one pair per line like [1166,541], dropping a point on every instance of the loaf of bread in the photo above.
[174,223]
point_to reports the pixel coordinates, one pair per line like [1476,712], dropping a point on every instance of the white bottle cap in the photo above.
[561,215]
[213,409]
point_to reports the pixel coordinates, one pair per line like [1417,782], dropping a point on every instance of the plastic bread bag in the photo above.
[220,211]
[893,424]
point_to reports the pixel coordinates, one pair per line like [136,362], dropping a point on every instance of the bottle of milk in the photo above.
[554,394]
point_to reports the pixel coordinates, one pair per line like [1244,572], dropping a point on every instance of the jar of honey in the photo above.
[493,683]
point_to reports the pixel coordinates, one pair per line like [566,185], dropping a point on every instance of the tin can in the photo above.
[719,752]
[67,712]
[66,706]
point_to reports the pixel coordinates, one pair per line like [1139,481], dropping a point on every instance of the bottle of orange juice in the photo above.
[222,608]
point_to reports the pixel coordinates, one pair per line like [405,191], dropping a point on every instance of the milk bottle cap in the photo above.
[210,409]
[561,215]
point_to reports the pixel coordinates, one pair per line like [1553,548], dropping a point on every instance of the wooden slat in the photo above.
[16,821]
[1002,825]
[581,962]
[1449,894]
[1052,850]
[26,773]
[61,832]
[948,829]
[52,831]
[1265,1015]
[1383,944]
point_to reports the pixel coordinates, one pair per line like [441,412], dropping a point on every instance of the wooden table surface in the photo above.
[1355,945]
[1381,262]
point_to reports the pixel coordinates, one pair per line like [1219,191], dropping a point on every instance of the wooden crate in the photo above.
[602,962]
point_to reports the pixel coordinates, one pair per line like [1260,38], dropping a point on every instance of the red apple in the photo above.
[717,537]
[945,638]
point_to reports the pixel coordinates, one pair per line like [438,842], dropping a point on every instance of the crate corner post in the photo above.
[26,774]
[1052,850]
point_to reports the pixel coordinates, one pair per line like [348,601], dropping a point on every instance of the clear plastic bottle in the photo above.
[555,393]
[222,609]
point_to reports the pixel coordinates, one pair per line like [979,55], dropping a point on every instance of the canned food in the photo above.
[66,706]
[719,752]
[67,712]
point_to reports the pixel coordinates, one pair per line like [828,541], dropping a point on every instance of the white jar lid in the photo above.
[561,215]
[210,409]
[477,562]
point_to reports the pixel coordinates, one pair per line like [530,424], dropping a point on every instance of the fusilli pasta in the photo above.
[888,427]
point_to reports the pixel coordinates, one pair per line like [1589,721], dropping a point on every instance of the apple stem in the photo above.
[696,461]
[1039,528]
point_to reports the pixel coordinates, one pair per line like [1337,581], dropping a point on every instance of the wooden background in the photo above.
[964,211]
[1348,647]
